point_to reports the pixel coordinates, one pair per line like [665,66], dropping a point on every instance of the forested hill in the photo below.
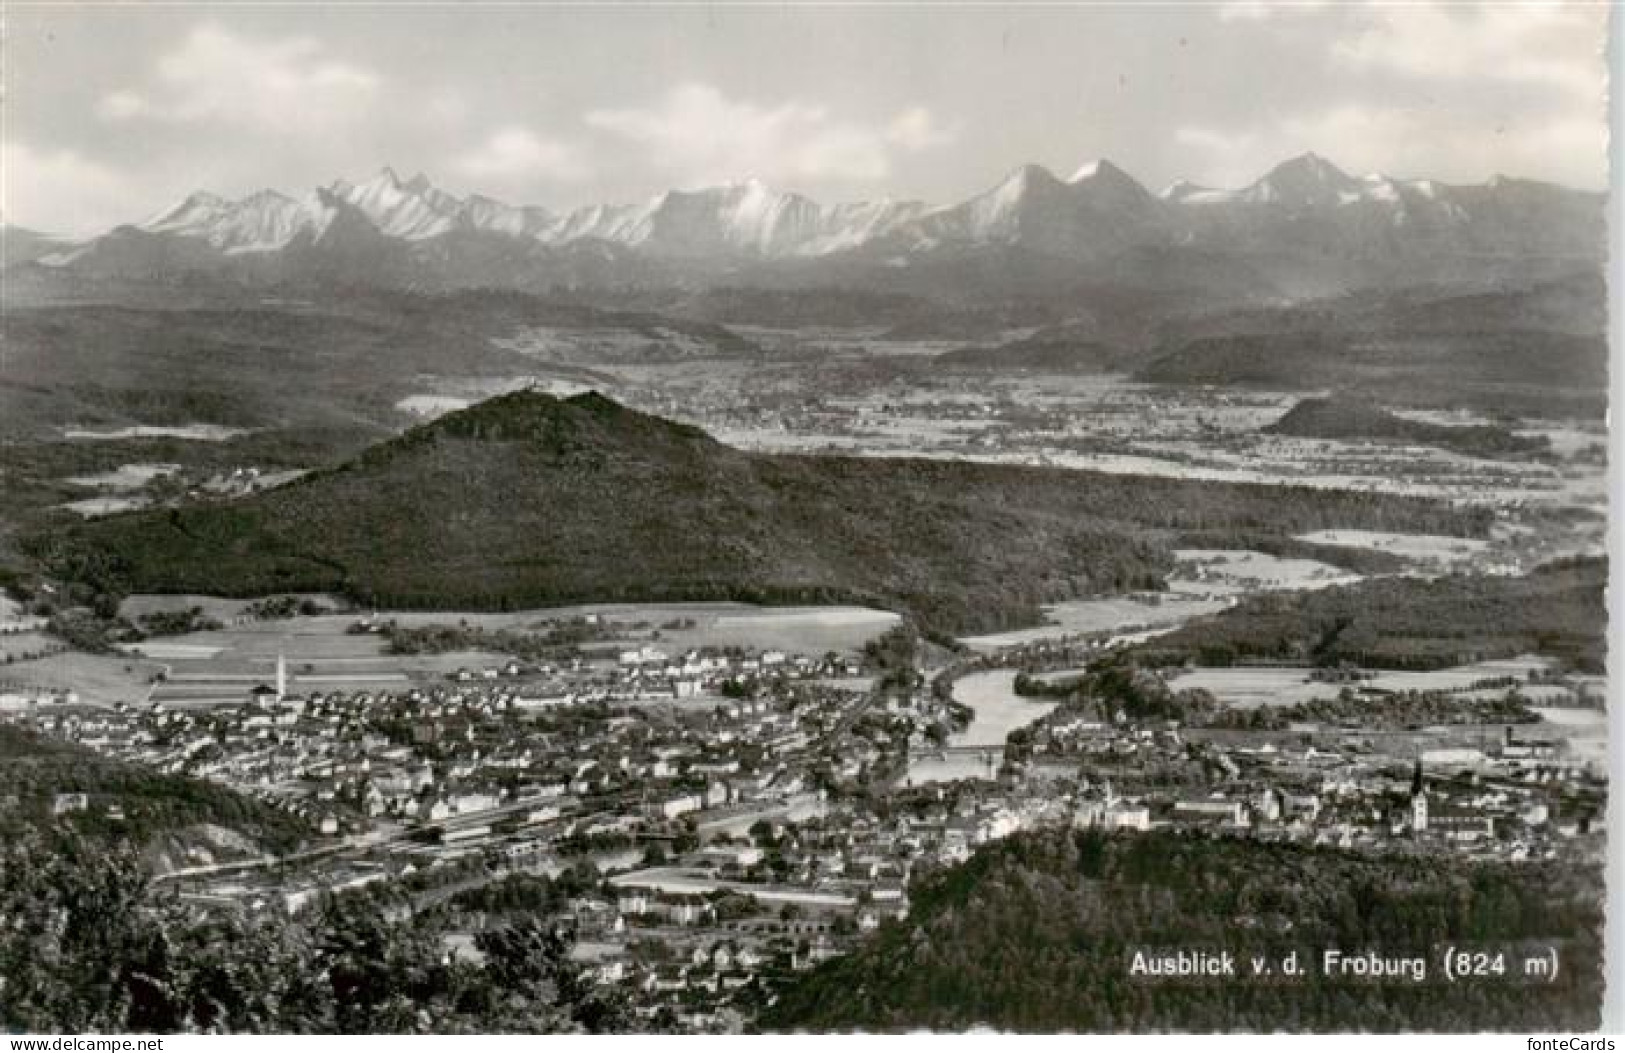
[1411,623]
[1037,933]
[527,500]
[1352,418]
[149,813]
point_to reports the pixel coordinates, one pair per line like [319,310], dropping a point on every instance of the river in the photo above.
[998,711]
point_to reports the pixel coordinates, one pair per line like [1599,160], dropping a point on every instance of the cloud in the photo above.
[1555,45]
[916,129]
[214,76]
[60,191]
[516,154]
[1259,10]
[1404,142]
[1453,91]
[702,136]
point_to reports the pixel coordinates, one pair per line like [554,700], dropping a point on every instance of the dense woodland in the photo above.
[551,641]
[1538,350]
[1410,623]
[91,944]
[526,500]
[1351,418]
[35,769]
[91,948]
[1036,933]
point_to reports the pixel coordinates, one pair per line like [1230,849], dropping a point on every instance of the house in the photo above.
[673,807]
[69,802]
[1122,815]
[1210,811]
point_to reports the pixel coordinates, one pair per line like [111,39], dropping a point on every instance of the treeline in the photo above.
[1383,712]
[1367,561]
[1114,687]
[34,770]
[559,639]
[1352,418]
[88,947]
[175,623]
[1409,623]
[1036,933]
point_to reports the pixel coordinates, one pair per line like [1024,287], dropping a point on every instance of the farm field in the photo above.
[97,679]
[323,654]
[853,624]
[803,630]
[1075,617]
[14,646]
[1245,570]
[1423,548]
[1248,686]
[1585,731]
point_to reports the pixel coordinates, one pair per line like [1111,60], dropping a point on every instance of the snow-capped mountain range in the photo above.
[387,229]
[747,217]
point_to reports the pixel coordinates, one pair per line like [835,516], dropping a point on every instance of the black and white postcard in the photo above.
[735,518]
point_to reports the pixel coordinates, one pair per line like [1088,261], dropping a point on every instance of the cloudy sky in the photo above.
[113,112]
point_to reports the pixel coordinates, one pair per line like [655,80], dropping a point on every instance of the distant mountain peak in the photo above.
[1184,189]
[203,197]
[1307,180]
[188,209]
[410,210]
[1030,175]
[1109,185]
[386,229]
[266,196]
[1102,169]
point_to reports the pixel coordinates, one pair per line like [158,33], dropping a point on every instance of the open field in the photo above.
[104,506]
[98,679]
[810,631]
[192,432]
[1424,548]
[322,654]
[1243,570]
[16,645]
[802,628]
[1249,686]
[798,630]
[1585,731]
[1111,614]
[124,477]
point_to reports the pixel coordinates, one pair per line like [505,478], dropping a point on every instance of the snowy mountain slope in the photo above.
[1305,226]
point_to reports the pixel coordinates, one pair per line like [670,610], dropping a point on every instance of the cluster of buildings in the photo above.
[761,819]
[1515,798]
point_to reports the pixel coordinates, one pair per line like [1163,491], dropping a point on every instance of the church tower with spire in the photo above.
[1419,800]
